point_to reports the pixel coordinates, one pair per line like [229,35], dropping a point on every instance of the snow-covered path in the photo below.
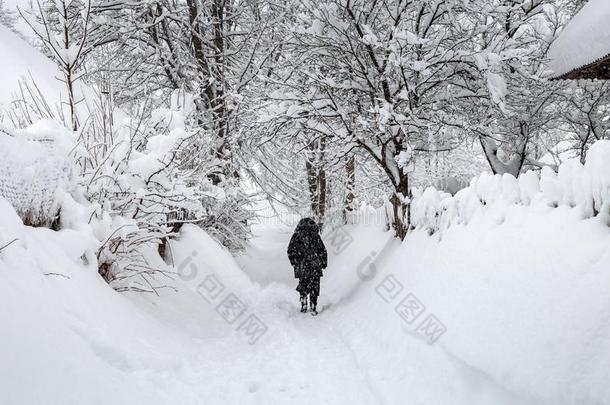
[300,359]
[342,356]
[354,352]
[308,352]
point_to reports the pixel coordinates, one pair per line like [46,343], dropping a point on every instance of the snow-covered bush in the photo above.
[132,171]
[145,176]
[585,187]
[132,178]
[34,167]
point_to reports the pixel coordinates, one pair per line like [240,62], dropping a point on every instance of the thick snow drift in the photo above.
[523,294]
[67,336]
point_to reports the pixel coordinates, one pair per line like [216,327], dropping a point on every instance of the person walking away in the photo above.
[308,257]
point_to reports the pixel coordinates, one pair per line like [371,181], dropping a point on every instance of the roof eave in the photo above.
[596,70]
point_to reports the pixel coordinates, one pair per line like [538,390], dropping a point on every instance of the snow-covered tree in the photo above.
[584,111]
[516,105]
[64,27]
[376,76]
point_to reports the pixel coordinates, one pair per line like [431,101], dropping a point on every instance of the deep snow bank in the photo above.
[63,329]
[523,292]
[519,271]
[67,338]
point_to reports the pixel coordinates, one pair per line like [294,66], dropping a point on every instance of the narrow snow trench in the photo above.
[348,353]
[304,352]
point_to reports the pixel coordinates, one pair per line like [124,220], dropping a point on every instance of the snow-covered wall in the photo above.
[586,187]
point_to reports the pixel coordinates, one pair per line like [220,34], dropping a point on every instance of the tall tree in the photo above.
[375,75]
[63,27]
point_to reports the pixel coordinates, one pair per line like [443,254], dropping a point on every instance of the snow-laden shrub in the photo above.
[132,179]
[146,174]
[34,166]
[585,187]
[131,169]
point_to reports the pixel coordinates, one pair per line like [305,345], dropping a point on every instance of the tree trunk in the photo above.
[401,207]
[316,179]
[71,100]
[69,66]
[322,182]
[322,194]
[213,84]
[513,167]
[312,182]
[350,185]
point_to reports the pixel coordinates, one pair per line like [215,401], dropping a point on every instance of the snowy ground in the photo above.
[526,323]
[26,63]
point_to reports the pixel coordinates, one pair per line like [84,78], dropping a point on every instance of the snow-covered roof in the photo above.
[584,41]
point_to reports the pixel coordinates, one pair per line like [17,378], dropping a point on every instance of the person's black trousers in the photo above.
[309,286]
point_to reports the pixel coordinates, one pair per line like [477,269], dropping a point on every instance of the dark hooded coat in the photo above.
[306,250]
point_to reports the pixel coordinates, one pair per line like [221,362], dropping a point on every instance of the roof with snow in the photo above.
[582,50]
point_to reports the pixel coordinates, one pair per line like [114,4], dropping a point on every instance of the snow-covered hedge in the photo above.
[586,187]
[33,168]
